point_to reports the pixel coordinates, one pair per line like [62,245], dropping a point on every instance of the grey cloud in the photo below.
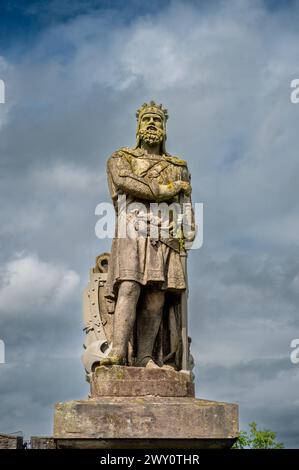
[224,73]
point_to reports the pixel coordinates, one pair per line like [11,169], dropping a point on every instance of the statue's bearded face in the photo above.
[151,129]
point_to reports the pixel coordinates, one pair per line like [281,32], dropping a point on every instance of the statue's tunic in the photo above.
[148,261]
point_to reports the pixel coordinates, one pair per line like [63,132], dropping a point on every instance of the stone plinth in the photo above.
[119,381]
[145,418]
[132,407]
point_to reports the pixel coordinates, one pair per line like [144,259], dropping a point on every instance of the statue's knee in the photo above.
[129,289]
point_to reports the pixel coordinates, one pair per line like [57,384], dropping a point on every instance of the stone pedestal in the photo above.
[119,381]
[144,408]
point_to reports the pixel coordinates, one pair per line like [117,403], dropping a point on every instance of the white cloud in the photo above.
[67,177]
[5,104]
[29,285]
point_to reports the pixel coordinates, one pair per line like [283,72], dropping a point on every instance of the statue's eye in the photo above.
[145,119]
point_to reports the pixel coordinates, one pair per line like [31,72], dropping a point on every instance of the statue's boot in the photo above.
[113,360]
[152,365]
[147,362]
[168,367]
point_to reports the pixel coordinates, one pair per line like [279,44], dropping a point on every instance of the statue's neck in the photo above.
[151,149]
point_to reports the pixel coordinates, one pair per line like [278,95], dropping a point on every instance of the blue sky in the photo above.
[74,79]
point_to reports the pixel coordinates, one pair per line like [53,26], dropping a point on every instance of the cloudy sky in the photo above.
[75,72]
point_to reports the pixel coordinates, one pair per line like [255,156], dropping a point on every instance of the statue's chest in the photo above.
[154,168]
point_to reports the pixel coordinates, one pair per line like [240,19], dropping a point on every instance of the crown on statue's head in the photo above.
[152,108]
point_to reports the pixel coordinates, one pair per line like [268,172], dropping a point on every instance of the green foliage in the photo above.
[257,439]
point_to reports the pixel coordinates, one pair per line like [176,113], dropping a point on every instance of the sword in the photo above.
[184,299]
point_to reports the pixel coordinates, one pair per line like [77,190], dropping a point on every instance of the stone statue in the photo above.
[137,359]
[136,301]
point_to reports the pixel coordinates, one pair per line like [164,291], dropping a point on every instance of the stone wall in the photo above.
[42,443]
[11,442]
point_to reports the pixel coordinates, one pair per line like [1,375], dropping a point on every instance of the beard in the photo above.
[151,136]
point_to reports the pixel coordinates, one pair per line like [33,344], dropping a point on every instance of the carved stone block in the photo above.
[135,418]
[119,381]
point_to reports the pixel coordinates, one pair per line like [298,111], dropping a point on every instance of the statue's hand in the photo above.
[173,188]
[185,187]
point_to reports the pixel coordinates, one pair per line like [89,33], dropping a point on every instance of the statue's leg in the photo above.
[148,323]
[124,318]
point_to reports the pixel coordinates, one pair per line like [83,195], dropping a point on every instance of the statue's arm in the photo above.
[168,191]
[120,172]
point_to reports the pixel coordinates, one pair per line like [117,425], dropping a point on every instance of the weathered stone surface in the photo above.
[11,442]
[145,418]
[38,442]
[119,381]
